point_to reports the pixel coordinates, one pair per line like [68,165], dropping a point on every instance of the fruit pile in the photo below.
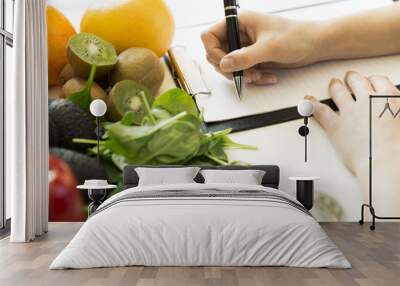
[115,56]
[123,69]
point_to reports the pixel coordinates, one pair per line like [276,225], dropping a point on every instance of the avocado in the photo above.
[83,166]
[71,122]
[54,137]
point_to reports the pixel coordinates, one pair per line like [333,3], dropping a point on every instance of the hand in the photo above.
[268,42]
[348,131]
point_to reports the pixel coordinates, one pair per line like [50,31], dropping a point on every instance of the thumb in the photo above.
[242,59]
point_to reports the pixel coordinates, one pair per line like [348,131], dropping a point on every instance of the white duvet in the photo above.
[200,231]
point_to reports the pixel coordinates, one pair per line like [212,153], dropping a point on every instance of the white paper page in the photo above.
[293,84]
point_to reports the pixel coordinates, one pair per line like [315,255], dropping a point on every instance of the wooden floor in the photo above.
[375,257]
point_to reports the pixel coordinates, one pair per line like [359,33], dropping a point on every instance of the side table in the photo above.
[97,192]
[305,190]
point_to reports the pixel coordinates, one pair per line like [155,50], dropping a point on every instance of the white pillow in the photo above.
[247,177]
[166,176]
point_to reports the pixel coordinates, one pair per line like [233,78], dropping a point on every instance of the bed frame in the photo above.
[271,177]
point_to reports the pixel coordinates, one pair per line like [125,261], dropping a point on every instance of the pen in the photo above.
[232,30]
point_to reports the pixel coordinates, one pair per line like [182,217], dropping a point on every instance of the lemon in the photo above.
[131,23]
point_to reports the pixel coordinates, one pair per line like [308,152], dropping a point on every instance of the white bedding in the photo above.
[188,231]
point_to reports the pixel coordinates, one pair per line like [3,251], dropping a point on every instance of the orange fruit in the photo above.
[131,23]
[59,30]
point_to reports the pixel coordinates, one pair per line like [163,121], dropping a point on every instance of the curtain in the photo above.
[27,124]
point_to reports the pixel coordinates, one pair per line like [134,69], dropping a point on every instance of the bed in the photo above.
[198,224]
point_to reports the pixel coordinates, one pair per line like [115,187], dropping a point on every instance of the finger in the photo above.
[383,85]
[340,94]
[218,30]
[249,76]
[212,60]
[243,58]
[213,40]
[359,85]
[226,75]
[325,116]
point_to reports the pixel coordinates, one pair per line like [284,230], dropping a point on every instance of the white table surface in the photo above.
[304,178]
[278,144]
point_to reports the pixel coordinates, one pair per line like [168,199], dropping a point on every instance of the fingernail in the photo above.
[334,81]
[227,63]
[309,97]
[350,74]
[335,84]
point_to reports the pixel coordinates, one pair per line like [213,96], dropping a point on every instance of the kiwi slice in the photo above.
[127,96]
[86,49]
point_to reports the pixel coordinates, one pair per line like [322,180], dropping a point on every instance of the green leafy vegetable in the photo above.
[83,98]
[175,101]
[170,133]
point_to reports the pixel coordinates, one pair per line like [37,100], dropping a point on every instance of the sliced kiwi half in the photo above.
[86,49]
[125,96]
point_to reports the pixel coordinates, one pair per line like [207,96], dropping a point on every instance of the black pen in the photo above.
[232,30]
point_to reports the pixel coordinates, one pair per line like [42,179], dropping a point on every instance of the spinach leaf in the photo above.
[129,141]
[83,98]
[128,119]
[173,144]
[175,101]
[157,114]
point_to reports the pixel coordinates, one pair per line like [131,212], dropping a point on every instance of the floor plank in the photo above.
[375,257]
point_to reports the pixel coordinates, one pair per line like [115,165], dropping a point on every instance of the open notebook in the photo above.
[260,105]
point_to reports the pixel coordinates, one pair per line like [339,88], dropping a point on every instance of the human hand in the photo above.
[268,42]
[348,131]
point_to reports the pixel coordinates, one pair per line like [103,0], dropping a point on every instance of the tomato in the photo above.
[65,201]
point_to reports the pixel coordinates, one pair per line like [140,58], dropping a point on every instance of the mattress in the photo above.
[201,225]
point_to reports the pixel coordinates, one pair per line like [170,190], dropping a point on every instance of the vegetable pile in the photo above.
[170,133]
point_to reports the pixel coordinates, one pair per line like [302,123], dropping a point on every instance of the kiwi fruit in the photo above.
[55,92]
[66,74]
[77,84]
[141,65]
[126,96]
[86,49]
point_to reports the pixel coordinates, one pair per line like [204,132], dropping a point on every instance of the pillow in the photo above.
[166,176]
[247,177]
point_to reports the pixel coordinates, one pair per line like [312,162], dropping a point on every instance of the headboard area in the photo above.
[271,177]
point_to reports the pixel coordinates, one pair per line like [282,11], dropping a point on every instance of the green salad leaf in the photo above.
[170,134]
[83,98]
[175,101]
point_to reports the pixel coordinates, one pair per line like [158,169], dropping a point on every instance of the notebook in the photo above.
[260,105]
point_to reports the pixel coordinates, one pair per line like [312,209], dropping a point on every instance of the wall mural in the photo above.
[100,61]
[112,51]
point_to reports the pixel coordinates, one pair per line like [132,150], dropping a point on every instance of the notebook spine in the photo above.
[185,72]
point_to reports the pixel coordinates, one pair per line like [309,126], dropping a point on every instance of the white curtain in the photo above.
[27,124]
